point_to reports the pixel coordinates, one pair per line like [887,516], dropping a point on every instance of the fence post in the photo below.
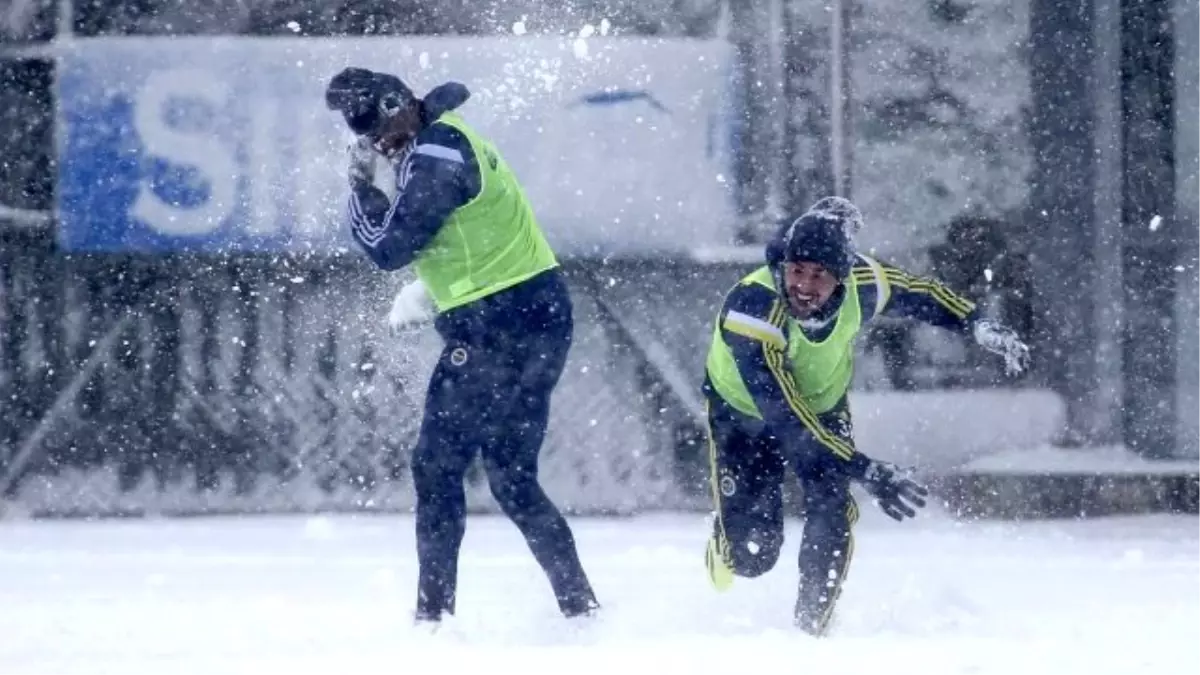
[1061,205]
[753,121]
[1151,230]
[807,127]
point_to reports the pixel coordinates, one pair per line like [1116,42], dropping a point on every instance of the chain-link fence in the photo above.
[181,384]
[186,384]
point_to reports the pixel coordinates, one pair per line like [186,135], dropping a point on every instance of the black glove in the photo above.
[898,495]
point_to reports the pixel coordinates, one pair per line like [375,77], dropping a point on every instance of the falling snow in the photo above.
[188,328]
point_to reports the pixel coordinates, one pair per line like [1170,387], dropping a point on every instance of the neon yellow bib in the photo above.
[822,370]
[488,244]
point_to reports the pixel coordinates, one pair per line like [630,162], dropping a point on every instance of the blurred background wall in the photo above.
[185,327]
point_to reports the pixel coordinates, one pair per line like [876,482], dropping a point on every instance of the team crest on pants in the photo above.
[728,487]
[458,356]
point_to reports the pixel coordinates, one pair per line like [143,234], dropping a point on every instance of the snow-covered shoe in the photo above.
[716,559]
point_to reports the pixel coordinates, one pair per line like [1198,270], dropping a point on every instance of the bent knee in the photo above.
[514,493]
[756,555]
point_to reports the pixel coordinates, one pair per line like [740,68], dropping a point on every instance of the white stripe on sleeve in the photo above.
[755,324]
[439,151]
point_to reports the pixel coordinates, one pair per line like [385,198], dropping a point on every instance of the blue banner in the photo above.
[224,144]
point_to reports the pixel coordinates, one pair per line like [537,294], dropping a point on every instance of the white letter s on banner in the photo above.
[203,152]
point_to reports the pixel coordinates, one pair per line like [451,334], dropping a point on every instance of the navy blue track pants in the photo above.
[748,469]
[489,396]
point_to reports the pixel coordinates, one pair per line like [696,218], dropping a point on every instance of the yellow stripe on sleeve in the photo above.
[775,362]
[955,303]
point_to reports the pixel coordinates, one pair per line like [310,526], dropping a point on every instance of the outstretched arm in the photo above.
[890,291]
[916,297]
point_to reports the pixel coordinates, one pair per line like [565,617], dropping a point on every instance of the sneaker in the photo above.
[716,559]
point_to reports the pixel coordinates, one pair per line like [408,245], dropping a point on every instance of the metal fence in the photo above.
[185,384]
[189,384]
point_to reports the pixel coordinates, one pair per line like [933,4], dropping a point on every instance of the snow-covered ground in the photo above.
[333,594]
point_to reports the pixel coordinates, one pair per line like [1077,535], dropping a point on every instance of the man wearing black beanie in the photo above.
[492,286]
[777,379]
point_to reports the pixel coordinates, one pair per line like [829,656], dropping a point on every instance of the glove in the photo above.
[411,308]
[1003,341]
[362,162]
[896,494]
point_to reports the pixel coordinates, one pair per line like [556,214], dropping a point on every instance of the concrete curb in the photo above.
[1013,496]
